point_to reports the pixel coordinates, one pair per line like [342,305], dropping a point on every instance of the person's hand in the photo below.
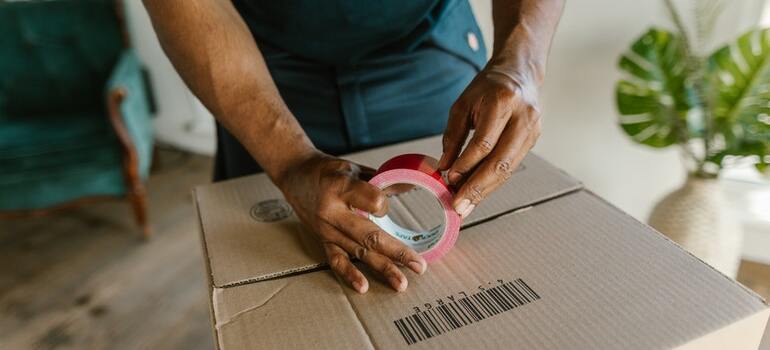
[502,108]
[324,192]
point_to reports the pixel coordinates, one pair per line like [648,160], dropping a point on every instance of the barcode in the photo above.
[444,317]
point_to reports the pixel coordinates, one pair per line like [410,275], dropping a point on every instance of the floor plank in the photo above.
[756,276]
[83,279]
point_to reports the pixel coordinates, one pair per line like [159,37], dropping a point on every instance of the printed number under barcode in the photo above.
[431,322]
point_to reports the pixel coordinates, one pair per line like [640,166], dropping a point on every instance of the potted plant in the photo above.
[714,106]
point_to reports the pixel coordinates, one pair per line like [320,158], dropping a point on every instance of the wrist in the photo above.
[290,164]
[520,68]
[523,82]
[521,52]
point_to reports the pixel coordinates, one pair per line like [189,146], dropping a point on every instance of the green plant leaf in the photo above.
[653,100]
[739,79]
[761,165]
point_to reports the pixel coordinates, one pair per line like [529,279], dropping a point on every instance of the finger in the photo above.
[492,118]
[457,129]
[496,169]
[373,238]
[383,266]
[459,184]
[367,197]
[339,261]
[356,170]
[396,189]
[366,173]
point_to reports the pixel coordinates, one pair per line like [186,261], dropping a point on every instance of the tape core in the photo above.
[419,170]
[419,241]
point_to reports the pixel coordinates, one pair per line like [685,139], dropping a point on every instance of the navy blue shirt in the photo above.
[346,31]
[358,74]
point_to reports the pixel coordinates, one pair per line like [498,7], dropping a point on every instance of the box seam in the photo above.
[278,275]
[553,196]
[323,266]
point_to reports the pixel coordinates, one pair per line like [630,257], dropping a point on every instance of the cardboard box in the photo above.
[543,263]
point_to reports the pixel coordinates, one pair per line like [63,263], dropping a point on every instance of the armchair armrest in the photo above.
[129,111]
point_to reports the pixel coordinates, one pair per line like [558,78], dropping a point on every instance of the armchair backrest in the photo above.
[56,55]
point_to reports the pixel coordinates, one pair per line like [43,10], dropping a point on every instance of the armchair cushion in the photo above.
[59,61]
[53,159]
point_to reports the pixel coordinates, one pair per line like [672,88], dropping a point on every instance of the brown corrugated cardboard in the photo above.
[308,311]
[546,265]
[232,208]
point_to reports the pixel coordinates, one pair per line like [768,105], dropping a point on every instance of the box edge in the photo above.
[207,269]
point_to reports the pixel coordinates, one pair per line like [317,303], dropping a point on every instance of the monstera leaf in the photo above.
[739,75]
[653,99]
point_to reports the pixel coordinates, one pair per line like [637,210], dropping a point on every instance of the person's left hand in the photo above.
[502,108]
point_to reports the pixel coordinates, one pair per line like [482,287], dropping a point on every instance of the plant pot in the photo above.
[698,217]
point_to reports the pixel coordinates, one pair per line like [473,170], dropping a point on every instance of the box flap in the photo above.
[570,273]
[534,181]
[309,311]
[251,234]
[246,220]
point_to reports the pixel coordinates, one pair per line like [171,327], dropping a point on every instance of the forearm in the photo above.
[523,33]
[212,49]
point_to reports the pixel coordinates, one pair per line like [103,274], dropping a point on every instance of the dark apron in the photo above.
[350,98]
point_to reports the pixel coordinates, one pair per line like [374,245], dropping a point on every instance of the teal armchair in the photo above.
[75,118]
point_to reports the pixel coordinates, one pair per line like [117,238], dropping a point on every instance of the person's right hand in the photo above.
[324,192]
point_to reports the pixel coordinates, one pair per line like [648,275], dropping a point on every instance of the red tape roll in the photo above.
[419,170]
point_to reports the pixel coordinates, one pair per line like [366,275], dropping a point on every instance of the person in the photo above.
[294,83]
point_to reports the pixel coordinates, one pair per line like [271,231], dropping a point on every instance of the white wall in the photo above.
[580,132]
[181,120]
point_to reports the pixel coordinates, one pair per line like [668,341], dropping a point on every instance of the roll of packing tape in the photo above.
[419,170]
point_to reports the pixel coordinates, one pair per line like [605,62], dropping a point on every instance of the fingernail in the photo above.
[418,267]
[398,283]
[454,177]
[360,287]
[441,161]
[468,211]
[463,206]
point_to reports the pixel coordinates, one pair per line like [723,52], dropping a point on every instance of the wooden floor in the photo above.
[82,279]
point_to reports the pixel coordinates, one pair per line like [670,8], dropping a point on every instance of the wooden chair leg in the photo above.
[138,198]
[134,187]
[155,164]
